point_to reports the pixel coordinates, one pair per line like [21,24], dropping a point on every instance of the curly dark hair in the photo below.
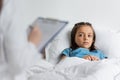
[73,33]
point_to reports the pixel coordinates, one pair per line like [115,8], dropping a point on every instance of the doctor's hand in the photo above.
[35,36]
[91,58]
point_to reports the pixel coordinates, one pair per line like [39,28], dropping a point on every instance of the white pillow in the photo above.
[54,48]
[107,40]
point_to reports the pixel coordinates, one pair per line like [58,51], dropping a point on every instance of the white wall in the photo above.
[105,13]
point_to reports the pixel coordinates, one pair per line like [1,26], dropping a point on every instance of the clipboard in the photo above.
[49,28]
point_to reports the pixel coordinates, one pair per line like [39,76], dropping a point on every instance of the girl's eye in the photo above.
[80,35]
[90,35]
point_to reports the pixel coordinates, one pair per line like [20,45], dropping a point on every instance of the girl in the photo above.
[83,43]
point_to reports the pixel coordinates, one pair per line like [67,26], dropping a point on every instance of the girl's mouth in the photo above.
[86,43]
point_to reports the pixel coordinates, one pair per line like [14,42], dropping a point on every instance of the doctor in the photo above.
[4,72]
[18,51]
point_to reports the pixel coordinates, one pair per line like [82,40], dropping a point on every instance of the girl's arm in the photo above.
[62,57]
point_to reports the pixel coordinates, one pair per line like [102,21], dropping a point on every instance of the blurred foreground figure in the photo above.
[16,52]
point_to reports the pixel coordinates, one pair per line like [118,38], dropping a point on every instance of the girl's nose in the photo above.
[85,37]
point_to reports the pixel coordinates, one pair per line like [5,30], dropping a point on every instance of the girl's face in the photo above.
[84,36]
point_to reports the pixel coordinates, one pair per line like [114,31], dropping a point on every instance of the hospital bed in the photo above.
[74,68]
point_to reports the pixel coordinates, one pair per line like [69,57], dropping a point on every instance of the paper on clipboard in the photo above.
[49,28]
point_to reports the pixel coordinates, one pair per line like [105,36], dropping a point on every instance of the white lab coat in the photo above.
[15,50]
[5,20]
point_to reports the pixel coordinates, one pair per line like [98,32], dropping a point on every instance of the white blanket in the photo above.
[74,69]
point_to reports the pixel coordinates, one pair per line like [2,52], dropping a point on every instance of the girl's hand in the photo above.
[62,57]
[91,58]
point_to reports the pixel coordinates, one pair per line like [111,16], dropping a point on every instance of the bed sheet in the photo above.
[75,69]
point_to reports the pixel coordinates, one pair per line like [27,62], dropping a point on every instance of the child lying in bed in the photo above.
[83,43]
